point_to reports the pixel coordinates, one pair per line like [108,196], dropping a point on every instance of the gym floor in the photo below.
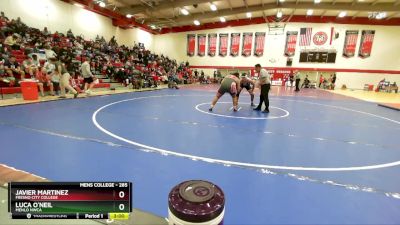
[316,158]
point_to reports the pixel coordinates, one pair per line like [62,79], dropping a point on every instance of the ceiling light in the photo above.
[222,19]
[248,15]
[79,5]
[310,12]
[279,14]
[380,15]
[317,1]
[281,0]
[184,12]
[128,16]
[196,22]
[102,4]
[342,14]
[213,7]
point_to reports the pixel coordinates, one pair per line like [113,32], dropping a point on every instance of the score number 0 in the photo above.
[121,206]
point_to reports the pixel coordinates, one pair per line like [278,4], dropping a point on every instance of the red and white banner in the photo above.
[247,44]
[291,40]
[212,44]
[191,44]
[235,44]
[223,44]
[367,38]
[350,43]
[259,43]
[201,44]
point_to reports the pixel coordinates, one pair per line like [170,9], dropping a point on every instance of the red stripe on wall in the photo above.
[303,69]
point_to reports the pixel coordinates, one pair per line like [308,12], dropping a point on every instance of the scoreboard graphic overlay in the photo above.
[70,200]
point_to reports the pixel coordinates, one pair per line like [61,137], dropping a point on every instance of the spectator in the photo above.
[306,83]
[321,80]
[49,52]
[44,80]
[70,34]
[297,78]
[13,69]
[29,67]
[12,41]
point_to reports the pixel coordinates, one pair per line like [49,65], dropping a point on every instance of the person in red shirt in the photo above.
[44,80]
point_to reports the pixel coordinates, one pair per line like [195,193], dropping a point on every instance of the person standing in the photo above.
[333,81]
[64,79]
[88,77]
[297,77]
[265,85]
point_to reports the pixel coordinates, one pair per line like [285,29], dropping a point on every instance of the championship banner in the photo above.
[235,44]
[212,44]
[291,40]
[223,44]
[367,38]
[350,43]
[191,44]
[201,44]
[247,44]
[259,43]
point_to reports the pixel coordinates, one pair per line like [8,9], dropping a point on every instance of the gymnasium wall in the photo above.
[385,53]
[60,16]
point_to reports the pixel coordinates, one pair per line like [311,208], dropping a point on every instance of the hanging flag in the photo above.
[350,43]
[259,43]
[367,38]
[201,44]
[191,44]
[212,44]
[305,36]
[291,40]
[223,44]
[235,44]
[247,44]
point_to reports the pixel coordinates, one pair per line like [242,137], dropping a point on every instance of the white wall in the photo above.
[385,51]
[130,36]
[60,16]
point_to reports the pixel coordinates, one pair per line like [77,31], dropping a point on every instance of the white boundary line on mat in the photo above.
[243,164]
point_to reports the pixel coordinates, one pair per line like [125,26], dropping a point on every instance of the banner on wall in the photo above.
[223,44]
[259,43]
[191,44]
[235,44]
[291,40]
[201,44]
[212,44]
[350,43]
[367,38]
[247,44]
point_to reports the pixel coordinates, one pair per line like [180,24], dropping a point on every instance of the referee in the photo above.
[265,84]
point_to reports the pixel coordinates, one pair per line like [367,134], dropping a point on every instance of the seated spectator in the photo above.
[29,67]
[306,82]
[49,52]
[44,80]
[12,41]
[393,87]
[13,70]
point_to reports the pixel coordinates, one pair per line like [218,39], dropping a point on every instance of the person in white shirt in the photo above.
[265,85]
[87,75]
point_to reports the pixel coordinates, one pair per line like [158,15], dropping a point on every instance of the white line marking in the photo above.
[242,117]
[235,163]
